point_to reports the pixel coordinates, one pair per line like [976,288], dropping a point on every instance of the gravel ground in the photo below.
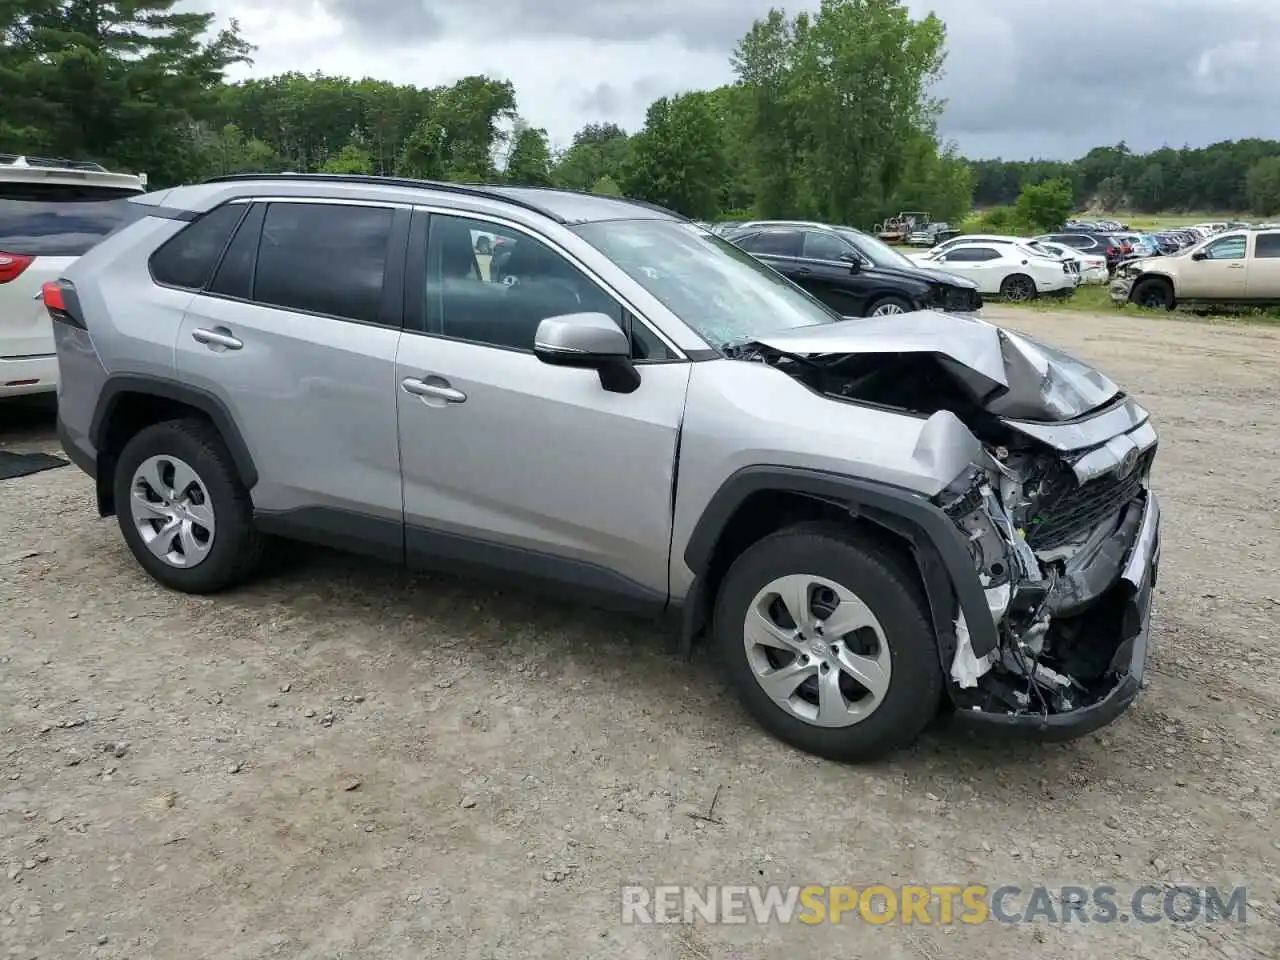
[342,760]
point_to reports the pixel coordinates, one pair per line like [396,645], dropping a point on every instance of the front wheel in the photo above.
[827,642]
[1018,288]
[1153,294]
[888,307]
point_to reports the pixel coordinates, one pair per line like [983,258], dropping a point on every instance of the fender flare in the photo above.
[1154,275]
[939,548]
[119,386]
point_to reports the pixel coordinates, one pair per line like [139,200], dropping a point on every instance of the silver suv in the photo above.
[871,520]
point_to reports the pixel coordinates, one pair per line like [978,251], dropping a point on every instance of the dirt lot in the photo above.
[346,761]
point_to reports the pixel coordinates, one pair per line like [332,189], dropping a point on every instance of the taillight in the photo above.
[12,265]
[51,293]
[60,301]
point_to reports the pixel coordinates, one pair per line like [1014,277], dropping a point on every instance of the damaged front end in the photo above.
[1066,552]
[1054,507]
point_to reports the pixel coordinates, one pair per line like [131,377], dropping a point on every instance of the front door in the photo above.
[1220,275]
[514,464]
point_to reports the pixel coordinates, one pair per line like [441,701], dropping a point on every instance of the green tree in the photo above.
[530,160]
[598,150]
[352,158]
[607,186]
[118,82]
[425,152]
[229,151]
[1045,206]
[838,99]
[1263,187]
[677,160]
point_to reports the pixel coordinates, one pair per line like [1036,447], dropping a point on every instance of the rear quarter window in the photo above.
[188,258]
[50,220]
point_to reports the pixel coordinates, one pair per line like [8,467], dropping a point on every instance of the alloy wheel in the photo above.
[172,511]
[817,650]
[887,310]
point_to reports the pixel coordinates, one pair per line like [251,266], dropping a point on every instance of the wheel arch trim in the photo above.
[941,554]
[119,386]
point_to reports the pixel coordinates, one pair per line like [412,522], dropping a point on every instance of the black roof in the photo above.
[564,206]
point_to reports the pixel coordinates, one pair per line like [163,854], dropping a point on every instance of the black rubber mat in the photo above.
[14,465]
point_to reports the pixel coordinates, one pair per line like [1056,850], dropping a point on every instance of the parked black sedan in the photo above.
[853,273]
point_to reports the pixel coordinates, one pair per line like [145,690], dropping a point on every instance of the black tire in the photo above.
[1018,288]
[883,302]
[1152,293]
[237,548]
[892,592]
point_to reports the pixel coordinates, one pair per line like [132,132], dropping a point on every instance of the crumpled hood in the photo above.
[1009,374]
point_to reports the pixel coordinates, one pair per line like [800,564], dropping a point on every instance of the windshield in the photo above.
[874,249]
[720,291]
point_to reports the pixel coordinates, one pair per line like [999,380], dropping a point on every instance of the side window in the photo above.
[323,258]
[823,246]
[499,298]
[972,255]
[187,259]
[1228,248]
[234,277]
[779,243]
[1267,246]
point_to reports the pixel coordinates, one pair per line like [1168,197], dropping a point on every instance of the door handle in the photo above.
[436,391]
[803,270]
[1235,266]
[216,338]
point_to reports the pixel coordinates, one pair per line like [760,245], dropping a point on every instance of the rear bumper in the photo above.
[1137,580]
[20,376]
[78,451]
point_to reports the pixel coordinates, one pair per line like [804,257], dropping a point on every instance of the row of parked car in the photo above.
[858,274]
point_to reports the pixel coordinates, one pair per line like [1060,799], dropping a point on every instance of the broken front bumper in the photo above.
[1121,290]
[1136,586]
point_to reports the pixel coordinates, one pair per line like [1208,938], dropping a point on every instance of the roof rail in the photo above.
[15,160]
[474,190]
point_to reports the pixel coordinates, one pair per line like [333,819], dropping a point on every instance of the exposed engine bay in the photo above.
[1049,525]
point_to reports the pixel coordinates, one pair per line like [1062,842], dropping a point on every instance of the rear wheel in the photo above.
[1153,293]
[1018,288]
[183,510]
[888,306]
[827,641]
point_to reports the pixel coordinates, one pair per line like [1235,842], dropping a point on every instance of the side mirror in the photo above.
[591,341]
[855,265]
[1200,255]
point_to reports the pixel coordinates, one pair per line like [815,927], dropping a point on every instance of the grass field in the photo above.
[1094,299]
[1165,221]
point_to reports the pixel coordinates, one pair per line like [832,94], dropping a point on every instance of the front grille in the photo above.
[1072,508]
[959,300]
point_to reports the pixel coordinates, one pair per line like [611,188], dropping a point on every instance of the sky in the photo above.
[1023,78]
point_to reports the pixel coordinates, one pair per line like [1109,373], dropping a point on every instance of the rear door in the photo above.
[1262,278]
[296,335]
[43,228]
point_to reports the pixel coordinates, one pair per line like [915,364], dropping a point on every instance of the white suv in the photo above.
[51,211]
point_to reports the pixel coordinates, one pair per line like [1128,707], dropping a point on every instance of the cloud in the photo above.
[1023,77]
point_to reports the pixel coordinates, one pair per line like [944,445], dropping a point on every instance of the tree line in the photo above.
[829,116]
